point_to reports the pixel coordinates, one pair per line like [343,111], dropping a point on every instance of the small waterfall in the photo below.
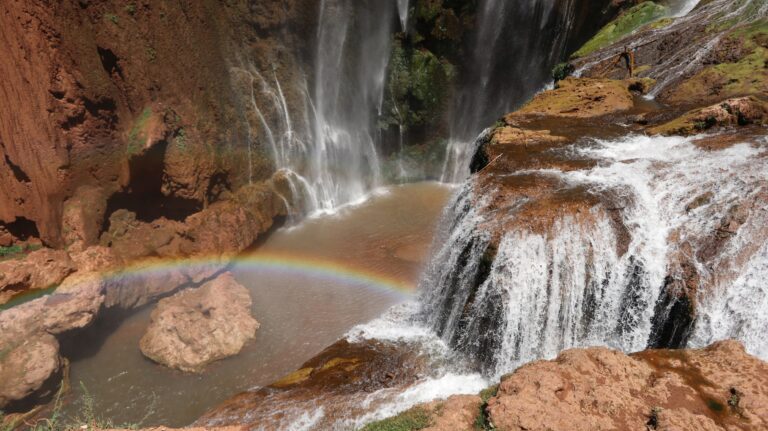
[516,45]
[331,157]
[403,9]
[530,294]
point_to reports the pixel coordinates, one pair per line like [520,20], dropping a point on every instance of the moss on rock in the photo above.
[744,72]
[629,21]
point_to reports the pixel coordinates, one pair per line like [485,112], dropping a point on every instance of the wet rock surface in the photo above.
[333,383]
[200,325]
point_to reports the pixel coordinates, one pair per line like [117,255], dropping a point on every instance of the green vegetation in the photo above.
[626,23]
[87,418]
[137,136]
[17,250]
[151,54]
[562,71]
[418,87]
[414,419]
[11,250]
[181,139]
[481,421]
[111,18]
[130,9]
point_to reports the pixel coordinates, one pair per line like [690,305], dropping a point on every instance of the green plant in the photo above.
[111,17]
[130,8]
[181,139]
[653,419]
[562,71]
[482,422]
[414,419]
[151,54]
[10,250]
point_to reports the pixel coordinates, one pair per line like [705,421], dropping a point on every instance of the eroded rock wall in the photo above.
[134,99]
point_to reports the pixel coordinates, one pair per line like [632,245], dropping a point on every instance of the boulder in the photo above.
[73,305]
[198,326]
[29,368]
[150,279]
[37,270]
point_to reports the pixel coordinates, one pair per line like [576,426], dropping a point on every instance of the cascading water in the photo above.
[516,45]
[330,157]
[540,293]
[403,9]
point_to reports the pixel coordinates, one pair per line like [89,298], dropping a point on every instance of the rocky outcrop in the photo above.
[198,326]
[334,380]
[110,105]
[730,113]
[39,269]
[581,98]
[28,369]
[72,306]
[716,52]
[720,387]
[29,353]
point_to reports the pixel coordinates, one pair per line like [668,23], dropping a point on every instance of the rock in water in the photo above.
[27,368]
[198,326]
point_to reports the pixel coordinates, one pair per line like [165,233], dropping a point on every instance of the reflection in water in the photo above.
[300,311]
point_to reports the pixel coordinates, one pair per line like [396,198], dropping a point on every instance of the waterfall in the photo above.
[403,8]
[530,294]
[331,156]
[516,45]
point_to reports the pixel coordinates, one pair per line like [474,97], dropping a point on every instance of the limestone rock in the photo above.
[95,258]
[729,113]
[73,305]
[581,98]
[457,413]
[27,367]
[720,387]
[83,217]
[198,326]
[38,270]
[133,239]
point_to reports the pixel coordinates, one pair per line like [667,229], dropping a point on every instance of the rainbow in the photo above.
[292,264]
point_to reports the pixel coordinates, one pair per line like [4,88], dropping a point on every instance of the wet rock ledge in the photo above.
[716,388]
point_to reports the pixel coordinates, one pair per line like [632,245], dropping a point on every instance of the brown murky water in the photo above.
[326,275]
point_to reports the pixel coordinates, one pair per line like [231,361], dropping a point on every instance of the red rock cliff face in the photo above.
[114,104]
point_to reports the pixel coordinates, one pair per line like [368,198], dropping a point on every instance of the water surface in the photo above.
[301,312]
